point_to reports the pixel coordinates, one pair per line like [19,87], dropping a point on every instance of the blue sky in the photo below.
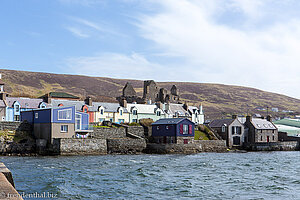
[252,43]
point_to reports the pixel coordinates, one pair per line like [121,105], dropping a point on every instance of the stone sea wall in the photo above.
[109,133]
[126,145]
[15,126]
[70,146]
[275,146]
[136,130]
[212,145]
[7,187]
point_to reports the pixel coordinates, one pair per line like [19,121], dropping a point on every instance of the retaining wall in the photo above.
[212,145]
[136,130]
[275,146]
[173,148]
[126,145]
[71,146]
[109,133]
[15,126]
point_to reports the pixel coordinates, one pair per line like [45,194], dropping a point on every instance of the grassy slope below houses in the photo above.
[216,98]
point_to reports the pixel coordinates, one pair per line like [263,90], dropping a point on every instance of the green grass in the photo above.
[102,126]
[199,135]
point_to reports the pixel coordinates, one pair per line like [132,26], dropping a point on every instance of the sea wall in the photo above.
[109,133]
[7,188]
[136,130]
[212,145]
[126,145]
[173,148]
[275,146]
[15,126]
[196,147]
[87,146]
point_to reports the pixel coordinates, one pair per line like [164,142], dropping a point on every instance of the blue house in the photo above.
[173,130]
[61,122]
[15,105]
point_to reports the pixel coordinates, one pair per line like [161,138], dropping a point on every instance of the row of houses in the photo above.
[122,112]
[242,131]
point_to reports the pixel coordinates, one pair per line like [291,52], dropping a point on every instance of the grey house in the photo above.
[231,130]
[261,130]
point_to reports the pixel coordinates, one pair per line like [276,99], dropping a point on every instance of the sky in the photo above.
[254,43]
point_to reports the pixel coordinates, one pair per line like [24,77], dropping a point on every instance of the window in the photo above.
[85,110]
[273,131]
[167,127]
[17,107]
[273,137]
[261,139]
[78,122]
[17,118]
[101,111]
[185,129]
[36,115]
[134,112]
[65,114]
[223,129]
[121,112]
[101,119]
[158,113]
[157,128]
[64,128]
[134,120]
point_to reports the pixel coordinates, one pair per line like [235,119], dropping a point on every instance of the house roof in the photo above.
[192,109]
[169,121]
[78,104]
[143,108]
[24,102]
[263,124]
[108,107]
[220,122]
[62,95]
[177,108]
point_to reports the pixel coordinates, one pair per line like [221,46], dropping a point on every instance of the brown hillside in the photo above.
[217,99]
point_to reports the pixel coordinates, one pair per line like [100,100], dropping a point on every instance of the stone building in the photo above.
[151,94]
[261,130]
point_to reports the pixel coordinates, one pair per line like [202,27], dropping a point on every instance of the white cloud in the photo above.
[115,65]
[77,32]
[266,57]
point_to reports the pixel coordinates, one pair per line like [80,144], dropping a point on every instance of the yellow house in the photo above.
[110,112]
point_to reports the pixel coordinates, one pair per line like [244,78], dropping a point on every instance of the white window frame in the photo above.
[185,129]
[64,110]
[134,112]
[158,113]
[223,129]
[62,128]
[78,118]
[36,115]
[121,112]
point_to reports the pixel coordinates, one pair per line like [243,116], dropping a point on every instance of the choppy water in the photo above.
[274,175]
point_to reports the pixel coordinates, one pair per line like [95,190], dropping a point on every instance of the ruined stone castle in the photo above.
[151,94]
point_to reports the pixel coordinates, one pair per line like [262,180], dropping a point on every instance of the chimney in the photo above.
[185,106]
[2,96]
[123,103]
[269,118]
[88,101]
[248,118]
[234,116]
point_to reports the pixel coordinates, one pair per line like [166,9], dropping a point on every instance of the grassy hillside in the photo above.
[218,100]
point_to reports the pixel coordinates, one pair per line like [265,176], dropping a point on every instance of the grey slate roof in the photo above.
[263,124]
[108,107]
[220,122]
[168,121]
[78,104]
[24,102]
[177,108]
